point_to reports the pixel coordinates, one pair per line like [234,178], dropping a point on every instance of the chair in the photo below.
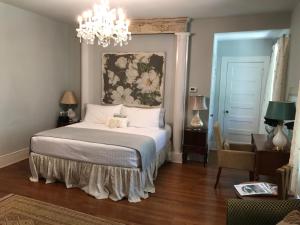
[233,156]
[284,181]
[259,212]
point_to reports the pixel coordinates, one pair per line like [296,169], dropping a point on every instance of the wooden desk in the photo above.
[267,160]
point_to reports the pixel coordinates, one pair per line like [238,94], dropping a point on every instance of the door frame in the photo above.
[223,80]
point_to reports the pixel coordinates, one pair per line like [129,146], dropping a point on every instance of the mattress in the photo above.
[99,153]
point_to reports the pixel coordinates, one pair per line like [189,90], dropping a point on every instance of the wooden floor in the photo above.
[184,195]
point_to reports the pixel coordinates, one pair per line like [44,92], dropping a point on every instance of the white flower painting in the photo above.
[133,78]
[112,78]
[149,82]
[121,95]
[121,62]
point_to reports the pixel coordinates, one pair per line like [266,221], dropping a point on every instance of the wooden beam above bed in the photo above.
[159,25]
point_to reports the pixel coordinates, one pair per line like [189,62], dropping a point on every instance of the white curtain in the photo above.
[281,69]
[276,80]
[268,88]
[295,152]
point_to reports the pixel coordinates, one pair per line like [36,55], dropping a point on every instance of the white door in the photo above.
[242,82]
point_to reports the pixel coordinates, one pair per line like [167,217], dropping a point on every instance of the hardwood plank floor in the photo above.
[184,195]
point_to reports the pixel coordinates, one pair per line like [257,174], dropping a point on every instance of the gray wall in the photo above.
[294,63]
[38,60]
[202,41]
[140,43]
[200,50]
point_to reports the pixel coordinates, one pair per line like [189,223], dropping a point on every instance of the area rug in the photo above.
[19,210]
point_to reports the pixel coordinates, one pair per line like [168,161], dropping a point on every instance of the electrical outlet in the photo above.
[193,90]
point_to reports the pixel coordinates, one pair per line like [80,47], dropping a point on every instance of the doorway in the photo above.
[241,91]
[239,73]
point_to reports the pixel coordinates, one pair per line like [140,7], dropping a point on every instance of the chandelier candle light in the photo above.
[105,24]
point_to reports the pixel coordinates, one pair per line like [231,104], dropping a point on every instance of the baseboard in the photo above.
[175,157]
[14,157]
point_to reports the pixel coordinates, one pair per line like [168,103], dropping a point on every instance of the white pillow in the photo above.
[142,117]
[100,113]
[116,122]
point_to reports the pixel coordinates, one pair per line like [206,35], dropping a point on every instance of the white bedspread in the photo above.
[99,153]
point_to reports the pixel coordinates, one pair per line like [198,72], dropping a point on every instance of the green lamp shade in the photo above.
[281,110]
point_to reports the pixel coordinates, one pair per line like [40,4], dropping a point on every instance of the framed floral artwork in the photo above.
[133,78]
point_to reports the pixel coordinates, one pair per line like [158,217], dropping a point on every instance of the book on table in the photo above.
[256,188]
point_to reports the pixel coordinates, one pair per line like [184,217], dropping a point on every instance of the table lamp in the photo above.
[69,99]
[198,104]
[280,111]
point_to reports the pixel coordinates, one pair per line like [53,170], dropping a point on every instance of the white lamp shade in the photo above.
[198,102]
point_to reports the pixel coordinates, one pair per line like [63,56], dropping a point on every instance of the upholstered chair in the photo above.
[233,156]
[260,212]
[284,181]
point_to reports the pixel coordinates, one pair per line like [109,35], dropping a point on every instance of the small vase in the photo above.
[270,131]
[280,139]
[71,114]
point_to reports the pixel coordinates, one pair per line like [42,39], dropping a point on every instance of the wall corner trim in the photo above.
[175,157]
[14,157]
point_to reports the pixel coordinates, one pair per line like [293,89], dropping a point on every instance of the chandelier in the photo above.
[105,24]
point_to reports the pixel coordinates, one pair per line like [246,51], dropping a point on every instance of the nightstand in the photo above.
[64,121]
[195,141]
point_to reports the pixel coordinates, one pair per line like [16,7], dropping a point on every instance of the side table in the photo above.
[195,141]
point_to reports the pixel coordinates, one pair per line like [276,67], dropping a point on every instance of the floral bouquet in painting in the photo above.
[133,79]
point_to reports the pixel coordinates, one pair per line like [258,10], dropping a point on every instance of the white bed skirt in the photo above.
[100,181]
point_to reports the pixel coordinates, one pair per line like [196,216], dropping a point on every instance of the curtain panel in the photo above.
[295,152]
[275,86]
[280,73]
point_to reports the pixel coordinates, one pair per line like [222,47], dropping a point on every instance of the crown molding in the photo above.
[159,25]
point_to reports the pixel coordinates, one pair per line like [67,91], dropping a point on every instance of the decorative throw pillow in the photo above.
[142,117]
[120,115]
[116,122]
[100,113]
[162,115]
[293,218]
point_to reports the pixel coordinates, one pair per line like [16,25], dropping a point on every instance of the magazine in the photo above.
[256,188]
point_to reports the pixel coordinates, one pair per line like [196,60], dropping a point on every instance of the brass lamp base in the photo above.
[196,121]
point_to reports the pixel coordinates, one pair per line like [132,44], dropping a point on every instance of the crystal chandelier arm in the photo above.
[103,24]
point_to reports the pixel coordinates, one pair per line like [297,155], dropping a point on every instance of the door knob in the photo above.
[227,111]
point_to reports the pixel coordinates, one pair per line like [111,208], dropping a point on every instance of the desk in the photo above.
[267,160]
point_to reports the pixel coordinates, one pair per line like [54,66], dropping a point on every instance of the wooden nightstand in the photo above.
[195,141]
[267,160]
[64,121]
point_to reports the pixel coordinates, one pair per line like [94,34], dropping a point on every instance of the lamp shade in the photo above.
[198,102]
[68,98]
[281,110]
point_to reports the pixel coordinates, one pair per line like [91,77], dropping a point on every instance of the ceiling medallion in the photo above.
[105,24]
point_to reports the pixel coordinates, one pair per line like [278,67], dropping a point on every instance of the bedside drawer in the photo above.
[197,138]
[195,149]
[194,141]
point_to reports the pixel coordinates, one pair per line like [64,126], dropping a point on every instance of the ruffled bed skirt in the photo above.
[99,181]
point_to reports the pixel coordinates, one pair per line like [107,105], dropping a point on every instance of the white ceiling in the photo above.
[67,10]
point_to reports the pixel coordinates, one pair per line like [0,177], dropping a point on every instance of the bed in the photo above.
[104,170]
